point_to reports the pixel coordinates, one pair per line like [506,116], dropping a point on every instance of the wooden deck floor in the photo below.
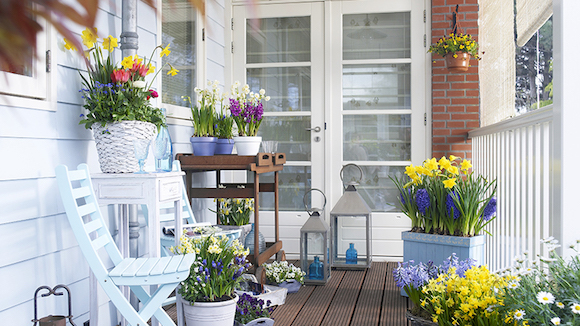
[357,298]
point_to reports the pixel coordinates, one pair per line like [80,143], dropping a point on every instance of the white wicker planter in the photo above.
[115,147]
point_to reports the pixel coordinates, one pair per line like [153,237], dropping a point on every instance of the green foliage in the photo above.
[455,43]
[235,211]
[204,112]
[225,124]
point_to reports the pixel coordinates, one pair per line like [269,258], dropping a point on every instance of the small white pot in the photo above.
[248,145]
[220,313]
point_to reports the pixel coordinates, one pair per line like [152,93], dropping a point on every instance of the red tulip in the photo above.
[120,76]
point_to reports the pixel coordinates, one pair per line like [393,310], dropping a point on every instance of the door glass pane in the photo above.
[278,40]
[178,30]
[376,36]
[377,87]
[24,67]
[376,188]
[290,134]
[289,88]
[377,137]
[293,182]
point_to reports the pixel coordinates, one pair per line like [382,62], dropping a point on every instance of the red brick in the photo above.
[465,116]
[438,124]
[465,100]
[440,85]
[471,93]
[456,2]
[455,124]
[438,109]
[472,15]
[472,108]
[435,3]
[438,93]
[467,156]
[442,24]
[441,101]
[459,131]
[436,18]
[473,31]
[453,78]
[455,109]
[472,124]
[438,140]
[471,1]
[440,147]
[452,140]
[438,79]
[451,93]
[469,8]
[464,86]
[441,10]
[469,23]
[440,71]
[438,154]
[437,33]
[471,77]
[440,132]
[461,147]
[440,116]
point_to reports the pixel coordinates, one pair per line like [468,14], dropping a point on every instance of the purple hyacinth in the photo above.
[461,266]
[450,203]
[489,209]
[403,201]
[422,200]
[235,107]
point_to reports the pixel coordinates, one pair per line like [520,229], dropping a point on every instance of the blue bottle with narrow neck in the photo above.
[351,254]
[316,269]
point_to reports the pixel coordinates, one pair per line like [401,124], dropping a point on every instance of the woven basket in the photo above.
[115,147]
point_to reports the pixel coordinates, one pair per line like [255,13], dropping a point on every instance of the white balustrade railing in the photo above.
[517,153]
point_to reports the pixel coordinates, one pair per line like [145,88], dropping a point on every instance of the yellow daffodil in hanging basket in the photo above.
[457,50]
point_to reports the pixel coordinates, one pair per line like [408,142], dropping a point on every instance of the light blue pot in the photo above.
[203,146]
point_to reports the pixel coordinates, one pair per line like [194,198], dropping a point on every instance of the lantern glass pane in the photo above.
[349,230]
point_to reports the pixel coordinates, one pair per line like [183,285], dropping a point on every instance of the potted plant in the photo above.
[251,311]
[247,110]
[117,101]
[236,212]
[457,49]
[284,275]
[224,132]
[203,116]
[449,207]
[208,291]
[545,291]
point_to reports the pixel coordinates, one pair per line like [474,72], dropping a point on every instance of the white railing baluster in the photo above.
[517,154]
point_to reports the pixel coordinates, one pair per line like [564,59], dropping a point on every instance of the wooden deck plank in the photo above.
[315,308]
[340,311]
[285,314]
[394,305]
[368,306]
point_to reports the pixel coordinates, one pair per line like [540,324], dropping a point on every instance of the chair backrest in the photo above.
[78,197]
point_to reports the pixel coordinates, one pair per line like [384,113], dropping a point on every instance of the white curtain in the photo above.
[531,15]
[497,73]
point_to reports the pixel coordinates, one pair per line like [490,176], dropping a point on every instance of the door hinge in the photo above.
[232,27]
[424,15]
[203,34]
[424,40]
[48,61]
[425,119]
[232,47]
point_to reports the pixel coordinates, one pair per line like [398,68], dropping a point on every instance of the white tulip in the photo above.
[139,84]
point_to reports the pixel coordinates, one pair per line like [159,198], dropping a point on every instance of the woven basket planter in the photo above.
[115,147]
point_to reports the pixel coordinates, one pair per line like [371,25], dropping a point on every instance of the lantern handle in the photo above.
[312,210]
[352,182]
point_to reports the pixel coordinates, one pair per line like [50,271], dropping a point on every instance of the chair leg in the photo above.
[123,305]
[152,304]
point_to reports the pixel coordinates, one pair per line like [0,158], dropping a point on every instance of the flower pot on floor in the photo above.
[219,313]
[258,322]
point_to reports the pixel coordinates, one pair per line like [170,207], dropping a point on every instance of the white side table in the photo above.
[131,189]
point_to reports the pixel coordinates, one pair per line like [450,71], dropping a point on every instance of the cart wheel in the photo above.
[281,256]
[261,275]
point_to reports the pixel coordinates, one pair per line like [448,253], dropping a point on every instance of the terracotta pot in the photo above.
[459,64]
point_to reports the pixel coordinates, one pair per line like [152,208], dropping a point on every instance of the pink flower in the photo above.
[119,76]
[152,94]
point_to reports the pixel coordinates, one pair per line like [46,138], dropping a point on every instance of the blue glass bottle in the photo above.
[316,269]
[249,241]
[163,150]
[351,254]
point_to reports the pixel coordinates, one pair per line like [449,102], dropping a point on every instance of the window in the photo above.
[179,29]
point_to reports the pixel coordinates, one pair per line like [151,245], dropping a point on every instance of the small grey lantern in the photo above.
[351,228]
[315,246]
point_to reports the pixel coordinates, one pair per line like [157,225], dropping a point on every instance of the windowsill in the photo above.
[26,102]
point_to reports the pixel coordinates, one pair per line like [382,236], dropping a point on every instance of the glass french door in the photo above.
[347,85]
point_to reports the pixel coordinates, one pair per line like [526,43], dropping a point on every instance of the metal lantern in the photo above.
[315,246]
[351,228]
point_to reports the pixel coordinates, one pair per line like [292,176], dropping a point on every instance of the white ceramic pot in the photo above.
[220,313]
[248,145]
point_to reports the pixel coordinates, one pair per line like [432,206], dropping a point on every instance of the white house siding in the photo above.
[38,247]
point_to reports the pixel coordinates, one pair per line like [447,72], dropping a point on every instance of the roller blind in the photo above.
[497,68]
[530,16]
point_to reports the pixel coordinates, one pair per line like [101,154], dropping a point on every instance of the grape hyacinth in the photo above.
[489,209]
[423,201]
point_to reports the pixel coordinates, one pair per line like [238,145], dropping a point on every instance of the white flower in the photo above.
[197,90]
[545,297]
[513,285]
[560,305]
[519,314]
[555,320]
[267,98]
[139,84]
[262,92]
[575,307]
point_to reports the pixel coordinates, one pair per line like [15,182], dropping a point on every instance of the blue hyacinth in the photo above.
[489,209]
[450,203]
[422,200]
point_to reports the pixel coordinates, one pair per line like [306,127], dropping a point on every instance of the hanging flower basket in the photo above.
[458,61]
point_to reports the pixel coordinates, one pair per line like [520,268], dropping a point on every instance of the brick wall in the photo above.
[455,95]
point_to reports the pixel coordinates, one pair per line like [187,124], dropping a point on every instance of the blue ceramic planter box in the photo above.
[423,247]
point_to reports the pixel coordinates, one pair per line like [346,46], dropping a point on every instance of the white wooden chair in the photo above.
[78,197]
[167,215]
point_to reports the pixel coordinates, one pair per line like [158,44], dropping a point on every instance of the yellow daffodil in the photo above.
[151,69]
[449,183]
[165,51]
[110,43]
[444,163]
[452,158]
[465,165]
[68,45]
[453,170]
[89,37]
[127,62]
[173,71]
[431,164]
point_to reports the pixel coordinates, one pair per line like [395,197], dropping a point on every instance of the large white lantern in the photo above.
[351,229]
[315,246]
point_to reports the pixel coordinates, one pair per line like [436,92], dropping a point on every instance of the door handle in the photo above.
[315,129]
